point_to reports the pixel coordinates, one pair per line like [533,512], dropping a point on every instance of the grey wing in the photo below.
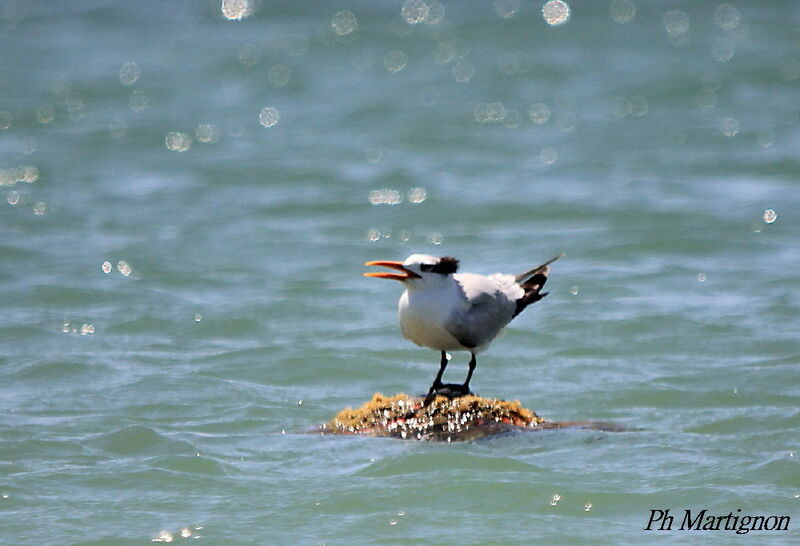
[481,318]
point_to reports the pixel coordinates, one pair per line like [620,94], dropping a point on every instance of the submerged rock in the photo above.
[444,419]
[401,416]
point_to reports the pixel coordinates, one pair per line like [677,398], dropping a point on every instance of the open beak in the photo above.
[404,276]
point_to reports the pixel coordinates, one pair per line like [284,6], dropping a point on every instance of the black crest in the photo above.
[446,266]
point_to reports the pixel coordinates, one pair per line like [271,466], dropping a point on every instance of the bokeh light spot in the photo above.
[395,61]
[124,268]
[506,8]
[622,11]
[46,113]
[129,73]
[463,71]
[539,113]
[556,12]
[727,17]
[6,119]
[729,127]
[279,75]
[548,156]
[236,10]
[206,133]
[417,195]
[770,216]
[178,141]
[344,23]
[139,101]
[269,116]
[414,11]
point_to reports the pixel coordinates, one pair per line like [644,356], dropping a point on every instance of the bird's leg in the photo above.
[472,364]
[437,383]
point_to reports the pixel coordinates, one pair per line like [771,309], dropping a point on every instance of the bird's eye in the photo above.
[426,267]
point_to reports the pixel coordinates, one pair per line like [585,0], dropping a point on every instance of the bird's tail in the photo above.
[532,282]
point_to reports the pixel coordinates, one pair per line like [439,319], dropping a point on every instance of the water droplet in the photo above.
[178,141]
[344,23]
[554,500]
[729,127]
[186,532]
[539,113]
[236,10]
[395,61]
[198,317]
[587,506]
[556,12]
[622,11]
[87,329]
[393,522]
[770,216]
[506,8]
[574,290]
[701,277]
[300,402]
[40,208]
[124,268]
[269,116]
[129,73]
[414,11]
[373,234]
[66,327]
[106,267]
[437,238]
[13,197]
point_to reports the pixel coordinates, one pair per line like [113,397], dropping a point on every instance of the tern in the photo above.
[450,311]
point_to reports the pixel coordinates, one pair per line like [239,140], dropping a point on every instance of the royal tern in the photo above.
[450,311]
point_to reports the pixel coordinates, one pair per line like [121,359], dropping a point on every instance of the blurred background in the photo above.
[188,191]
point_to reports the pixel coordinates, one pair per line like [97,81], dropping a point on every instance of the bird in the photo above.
[450,311]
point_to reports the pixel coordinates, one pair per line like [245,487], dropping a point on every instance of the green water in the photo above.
[646,140]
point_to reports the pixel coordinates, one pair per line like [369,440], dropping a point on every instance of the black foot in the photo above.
[449,390]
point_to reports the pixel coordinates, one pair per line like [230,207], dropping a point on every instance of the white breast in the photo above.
[424,316]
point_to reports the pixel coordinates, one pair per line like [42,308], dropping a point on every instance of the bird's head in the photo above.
[417,268]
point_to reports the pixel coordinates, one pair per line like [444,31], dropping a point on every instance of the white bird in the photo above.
[450,311]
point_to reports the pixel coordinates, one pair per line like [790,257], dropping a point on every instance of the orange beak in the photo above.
[407,274]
